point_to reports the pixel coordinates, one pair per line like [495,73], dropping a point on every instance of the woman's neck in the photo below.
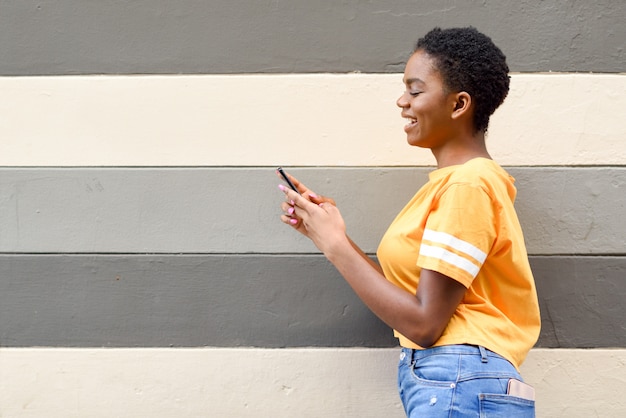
[461,150]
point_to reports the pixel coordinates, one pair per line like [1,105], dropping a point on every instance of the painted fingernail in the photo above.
[281,187]
[290,210]
[293,221]
[312,195]
[291,202]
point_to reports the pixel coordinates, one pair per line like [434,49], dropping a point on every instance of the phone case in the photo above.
[520,389]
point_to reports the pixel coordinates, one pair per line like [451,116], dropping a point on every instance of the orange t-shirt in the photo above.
[463,224]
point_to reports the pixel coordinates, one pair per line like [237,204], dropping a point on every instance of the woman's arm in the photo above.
[421,317]
[366,257]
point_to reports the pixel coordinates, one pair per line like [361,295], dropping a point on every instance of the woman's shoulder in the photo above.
[478,173]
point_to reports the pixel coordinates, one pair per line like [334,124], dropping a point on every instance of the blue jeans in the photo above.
[458,381]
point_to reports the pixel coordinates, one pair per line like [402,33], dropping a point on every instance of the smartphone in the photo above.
[520,390]
[289,183]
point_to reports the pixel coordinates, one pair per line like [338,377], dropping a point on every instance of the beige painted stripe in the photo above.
[313,119]
[239,382]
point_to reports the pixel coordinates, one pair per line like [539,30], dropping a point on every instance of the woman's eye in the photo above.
[414,93]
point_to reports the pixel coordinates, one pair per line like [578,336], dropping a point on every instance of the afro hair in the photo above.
[469,61]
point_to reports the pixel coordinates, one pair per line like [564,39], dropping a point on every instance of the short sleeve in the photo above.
[460,231]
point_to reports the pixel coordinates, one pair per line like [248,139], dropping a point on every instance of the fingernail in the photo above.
[281,187]
[291,202]
[313,195]
[293,221]
[290,211]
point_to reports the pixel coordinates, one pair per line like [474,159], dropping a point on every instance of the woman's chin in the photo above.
[416,142]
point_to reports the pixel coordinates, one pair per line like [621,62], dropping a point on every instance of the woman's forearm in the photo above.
[397,308]
[366,257]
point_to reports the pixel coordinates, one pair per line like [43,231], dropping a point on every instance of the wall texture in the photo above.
[143,269]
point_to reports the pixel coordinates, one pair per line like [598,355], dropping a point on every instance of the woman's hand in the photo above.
[320,222]
[314,216]
[308,194]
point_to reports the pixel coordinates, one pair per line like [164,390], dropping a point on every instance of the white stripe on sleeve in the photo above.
[456,244]
[450,258]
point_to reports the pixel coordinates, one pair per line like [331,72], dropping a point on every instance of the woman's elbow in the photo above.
[424,337]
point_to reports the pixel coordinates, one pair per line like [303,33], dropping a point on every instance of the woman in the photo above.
[454,280]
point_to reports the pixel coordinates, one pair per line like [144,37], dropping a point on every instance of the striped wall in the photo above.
[143,269]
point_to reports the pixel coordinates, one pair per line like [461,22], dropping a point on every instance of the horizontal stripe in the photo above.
[190,383]
[181,301]
[262,301]
[295,120]
[581,300]
[190,36]
[455,243]
[450,258]
[235,210]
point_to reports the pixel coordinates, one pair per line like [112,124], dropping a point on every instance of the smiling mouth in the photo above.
[410,123]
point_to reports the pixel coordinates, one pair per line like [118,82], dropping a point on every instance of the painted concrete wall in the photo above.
[295,36]
[252,382]
[263,120]
[143,270]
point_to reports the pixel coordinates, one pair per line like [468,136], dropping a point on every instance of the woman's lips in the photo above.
[411,123]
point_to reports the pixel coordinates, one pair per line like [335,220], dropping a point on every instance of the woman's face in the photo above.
[425,103]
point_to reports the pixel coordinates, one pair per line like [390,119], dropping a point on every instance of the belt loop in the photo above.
[483,354]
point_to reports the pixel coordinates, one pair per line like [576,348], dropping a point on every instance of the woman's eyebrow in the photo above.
[410,81]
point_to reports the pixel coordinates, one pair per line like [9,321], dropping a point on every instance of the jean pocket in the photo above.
[492,405]
[433,373]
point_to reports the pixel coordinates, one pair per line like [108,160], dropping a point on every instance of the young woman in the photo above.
[454,280]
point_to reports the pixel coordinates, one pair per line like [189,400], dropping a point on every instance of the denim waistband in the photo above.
[466,349]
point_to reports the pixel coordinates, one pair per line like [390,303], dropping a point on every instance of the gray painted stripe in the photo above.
[235,210]
[266,301]
[190,36]
[146,301]
[581,301]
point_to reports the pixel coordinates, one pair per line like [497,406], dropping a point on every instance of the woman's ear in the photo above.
[462,104]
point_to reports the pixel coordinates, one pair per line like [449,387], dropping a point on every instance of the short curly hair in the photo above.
[469,61]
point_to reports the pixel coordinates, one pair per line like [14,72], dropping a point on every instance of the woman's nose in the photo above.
[402,102]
